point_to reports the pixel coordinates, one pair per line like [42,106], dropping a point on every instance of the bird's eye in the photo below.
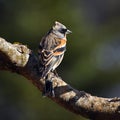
[63,30]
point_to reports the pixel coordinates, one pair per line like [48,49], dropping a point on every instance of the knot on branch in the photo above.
[18,54]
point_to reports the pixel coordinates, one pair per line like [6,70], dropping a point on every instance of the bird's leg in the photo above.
[56,74]
[49,90]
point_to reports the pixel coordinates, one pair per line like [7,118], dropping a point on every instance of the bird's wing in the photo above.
[46,56]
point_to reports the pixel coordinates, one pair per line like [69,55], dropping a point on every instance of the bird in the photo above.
[51,52]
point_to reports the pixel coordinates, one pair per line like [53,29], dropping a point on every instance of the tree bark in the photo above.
[20,59]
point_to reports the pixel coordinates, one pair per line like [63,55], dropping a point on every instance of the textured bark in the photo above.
[19,59]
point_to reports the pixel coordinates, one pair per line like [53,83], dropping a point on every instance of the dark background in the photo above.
[91,62]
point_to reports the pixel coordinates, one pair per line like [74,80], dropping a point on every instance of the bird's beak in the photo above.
[68,32]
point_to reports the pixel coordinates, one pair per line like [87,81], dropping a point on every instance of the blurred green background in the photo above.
[91,62]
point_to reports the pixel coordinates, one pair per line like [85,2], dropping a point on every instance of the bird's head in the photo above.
[60,30]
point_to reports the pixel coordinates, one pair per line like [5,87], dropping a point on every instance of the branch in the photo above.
[18,58]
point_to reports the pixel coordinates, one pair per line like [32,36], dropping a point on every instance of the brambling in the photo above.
[51,51]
